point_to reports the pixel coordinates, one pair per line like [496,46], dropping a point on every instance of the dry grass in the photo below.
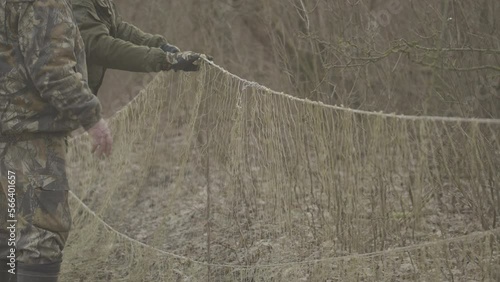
[222,173]
[362,54]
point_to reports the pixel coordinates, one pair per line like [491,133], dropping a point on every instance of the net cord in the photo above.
[247,83]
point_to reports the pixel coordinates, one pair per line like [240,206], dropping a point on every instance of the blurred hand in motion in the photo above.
[207,57]
[169,48]
[186,61]
[102,140]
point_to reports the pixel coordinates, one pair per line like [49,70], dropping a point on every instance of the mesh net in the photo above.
[220,179]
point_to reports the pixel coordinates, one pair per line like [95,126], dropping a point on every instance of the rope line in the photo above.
[247,83]
[256,85]
[329,259]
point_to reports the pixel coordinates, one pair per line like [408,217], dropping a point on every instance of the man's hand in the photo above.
[102,140]
[185,61]
[168,48]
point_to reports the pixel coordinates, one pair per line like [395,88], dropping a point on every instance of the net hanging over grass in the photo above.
[215,178]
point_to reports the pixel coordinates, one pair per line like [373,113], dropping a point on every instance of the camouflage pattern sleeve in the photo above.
[105,50]
[48,40]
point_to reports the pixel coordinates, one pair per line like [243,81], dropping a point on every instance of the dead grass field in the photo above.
[331,52]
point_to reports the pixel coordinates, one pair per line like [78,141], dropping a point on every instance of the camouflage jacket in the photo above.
[113,43]
[43,78]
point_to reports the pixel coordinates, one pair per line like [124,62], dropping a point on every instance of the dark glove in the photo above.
[170,48]
[185,61]
[208,57]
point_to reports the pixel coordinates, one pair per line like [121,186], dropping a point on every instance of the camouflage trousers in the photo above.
[33,176]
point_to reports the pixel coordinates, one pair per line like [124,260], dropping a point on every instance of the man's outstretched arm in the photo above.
[105,50]
[131,33]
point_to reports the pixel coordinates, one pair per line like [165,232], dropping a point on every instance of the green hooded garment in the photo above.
[113,43]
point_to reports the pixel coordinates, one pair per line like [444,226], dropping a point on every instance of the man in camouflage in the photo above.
[113,43]
[44,96]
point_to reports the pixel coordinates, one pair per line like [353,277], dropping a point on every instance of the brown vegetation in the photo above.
[413,57]
[225,181]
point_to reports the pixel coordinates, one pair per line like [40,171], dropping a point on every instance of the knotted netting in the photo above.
[215,178]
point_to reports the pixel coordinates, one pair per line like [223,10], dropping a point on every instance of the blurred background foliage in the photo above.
[422,57]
